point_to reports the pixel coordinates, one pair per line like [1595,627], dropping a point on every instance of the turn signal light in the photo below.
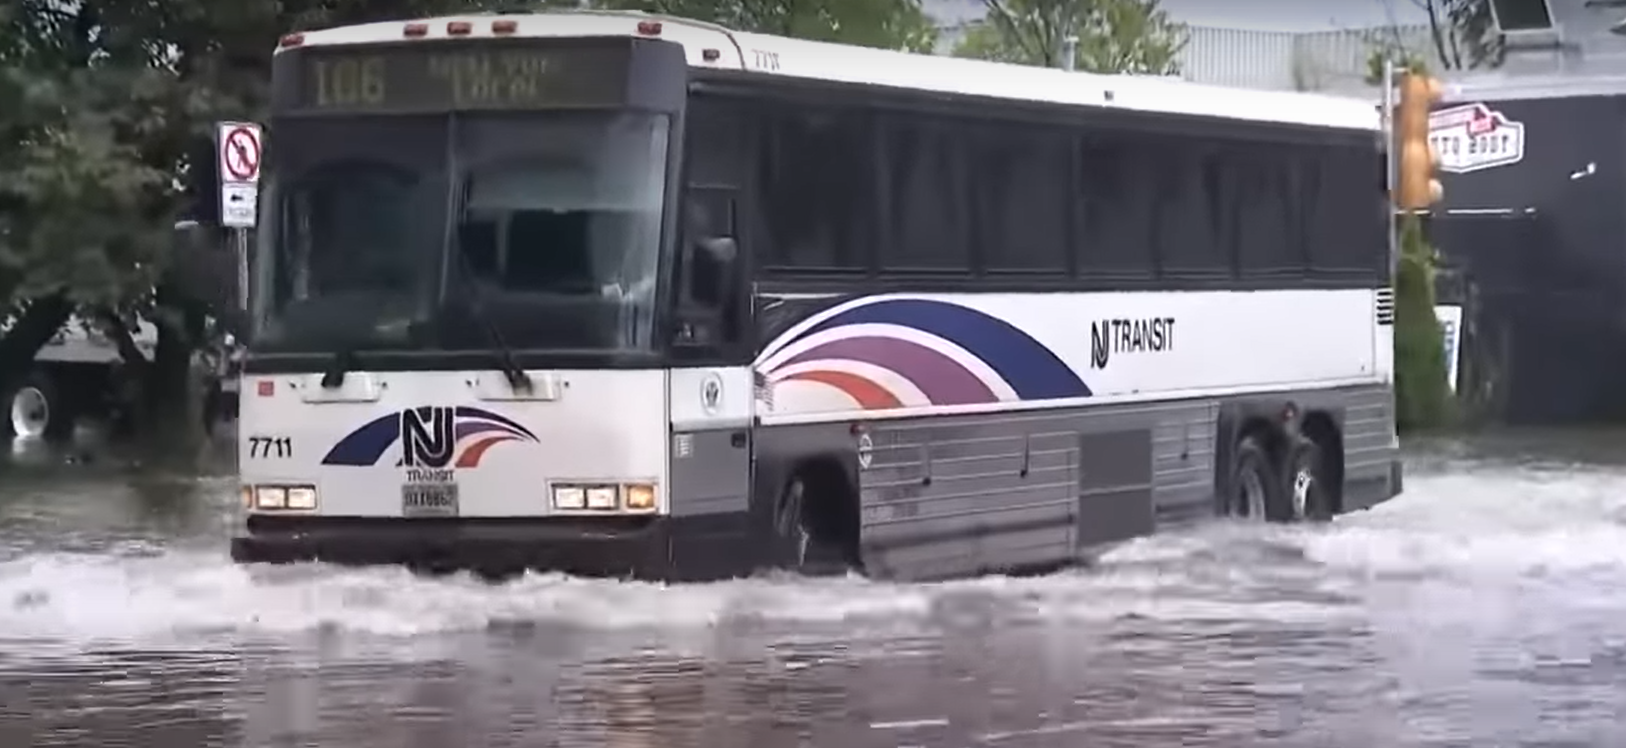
[640,497]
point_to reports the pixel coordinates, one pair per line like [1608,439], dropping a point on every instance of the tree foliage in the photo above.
[78,197]
[1422,392]
[1462,36]
[106,106]
[1113,36]
[887,24]
[108,100]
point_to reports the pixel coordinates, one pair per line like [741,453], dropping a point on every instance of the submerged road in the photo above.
[1483,608]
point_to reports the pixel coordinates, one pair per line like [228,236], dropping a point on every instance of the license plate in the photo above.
[429,500]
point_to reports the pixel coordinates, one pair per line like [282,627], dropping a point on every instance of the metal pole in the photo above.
[1069,53]
[241,238]
[1389,78]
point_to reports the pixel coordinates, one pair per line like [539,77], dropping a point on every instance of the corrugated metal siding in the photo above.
[1238,57]
[1329,61]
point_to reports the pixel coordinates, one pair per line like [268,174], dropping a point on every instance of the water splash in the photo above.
[1462,529]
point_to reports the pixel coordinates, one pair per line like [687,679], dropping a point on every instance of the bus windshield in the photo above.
[424,233]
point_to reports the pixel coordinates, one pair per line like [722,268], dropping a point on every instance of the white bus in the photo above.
[617,294]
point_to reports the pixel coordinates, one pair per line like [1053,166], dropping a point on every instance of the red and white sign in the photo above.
[240,152]
[1472,137]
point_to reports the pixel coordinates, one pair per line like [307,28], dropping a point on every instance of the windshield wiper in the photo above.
[517,378]
[340,364]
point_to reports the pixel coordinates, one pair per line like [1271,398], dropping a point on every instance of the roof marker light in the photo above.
[415,29]
[504,26]
[292,40]
[649,28]
[459,28]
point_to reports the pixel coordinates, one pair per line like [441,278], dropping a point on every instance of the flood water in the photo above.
[1484,608]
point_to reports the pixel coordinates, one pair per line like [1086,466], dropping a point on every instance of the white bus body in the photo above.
[916,423]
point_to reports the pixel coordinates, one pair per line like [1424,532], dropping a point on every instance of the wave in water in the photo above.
[1472,528]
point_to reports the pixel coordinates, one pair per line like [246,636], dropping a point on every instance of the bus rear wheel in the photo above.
[1255,488]
[1305,482]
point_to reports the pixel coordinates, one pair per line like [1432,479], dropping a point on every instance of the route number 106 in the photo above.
[350,82]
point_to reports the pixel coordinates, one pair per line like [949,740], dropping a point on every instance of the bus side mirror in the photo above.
[721,250]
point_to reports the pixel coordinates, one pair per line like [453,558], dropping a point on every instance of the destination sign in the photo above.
[443,76]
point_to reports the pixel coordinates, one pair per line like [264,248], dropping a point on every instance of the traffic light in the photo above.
[1416,188]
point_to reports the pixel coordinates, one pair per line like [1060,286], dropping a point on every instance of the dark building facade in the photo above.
[1533,225]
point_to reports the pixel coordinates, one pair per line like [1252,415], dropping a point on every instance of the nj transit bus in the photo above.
[618,294]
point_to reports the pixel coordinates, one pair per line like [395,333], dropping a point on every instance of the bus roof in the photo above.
[711,46]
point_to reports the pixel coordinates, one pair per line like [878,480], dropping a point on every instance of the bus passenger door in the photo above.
[712,395]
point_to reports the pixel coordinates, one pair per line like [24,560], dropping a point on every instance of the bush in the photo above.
[1422,392]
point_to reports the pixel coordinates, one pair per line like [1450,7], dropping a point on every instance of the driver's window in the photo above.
[707,216]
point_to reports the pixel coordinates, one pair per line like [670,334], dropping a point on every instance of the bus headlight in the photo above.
[270,497]
[569,497]
[302,497]
[603,497]
[277,498]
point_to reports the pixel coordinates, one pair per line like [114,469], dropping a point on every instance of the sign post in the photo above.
[240,147]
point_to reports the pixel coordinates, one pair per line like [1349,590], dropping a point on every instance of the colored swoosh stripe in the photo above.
[1031,369]
[474,452]
[940,378]
[464,411]
[868,394]
[366,445]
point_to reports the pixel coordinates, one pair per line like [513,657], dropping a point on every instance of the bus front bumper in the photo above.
[622,547]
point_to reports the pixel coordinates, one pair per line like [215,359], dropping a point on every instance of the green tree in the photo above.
[1114,36]
[105,105]
[1422,392]
[887,24]
[1462,36]
[77,199]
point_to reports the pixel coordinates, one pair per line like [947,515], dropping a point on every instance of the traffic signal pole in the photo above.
[1391,163]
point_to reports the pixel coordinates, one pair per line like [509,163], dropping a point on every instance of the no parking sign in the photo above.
[240,148]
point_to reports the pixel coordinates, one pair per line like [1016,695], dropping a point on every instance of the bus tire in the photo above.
[1255,486]
[800,542]
[1305,483]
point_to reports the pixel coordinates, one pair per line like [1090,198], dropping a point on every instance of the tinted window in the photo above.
[817,188]
[924,161]
[1186,214]
[1020,182]
[1115,198]
[1266,209]
[718,134]
[1347,230]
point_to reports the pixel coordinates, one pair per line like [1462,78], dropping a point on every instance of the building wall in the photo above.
[1323,61]
[1305,60]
